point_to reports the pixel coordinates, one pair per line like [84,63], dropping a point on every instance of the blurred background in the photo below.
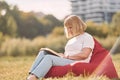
[26,26]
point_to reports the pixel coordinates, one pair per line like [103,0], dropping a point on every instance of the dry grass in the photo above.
[14,68]
[17,69]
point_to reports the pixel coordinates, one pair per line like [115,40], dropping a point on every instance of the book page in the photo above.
[50,51]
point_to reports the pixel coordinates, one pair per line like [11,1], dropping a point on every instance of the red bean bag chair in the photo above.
[100,64]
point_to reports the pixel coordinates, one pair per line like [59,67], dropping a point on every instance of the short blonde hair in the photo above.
[76,23]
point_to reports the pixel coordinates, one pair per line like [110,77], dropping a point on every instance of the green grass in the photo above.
[16,68]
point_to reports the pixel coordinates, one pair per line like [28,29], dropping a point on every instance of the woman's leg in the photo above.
[38,59]
[47,62]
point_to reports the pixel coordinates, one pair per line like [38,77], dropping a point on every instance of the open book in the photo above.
[50,51]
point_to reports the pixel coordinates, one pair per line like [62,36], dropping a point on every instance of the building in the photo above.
[96,10]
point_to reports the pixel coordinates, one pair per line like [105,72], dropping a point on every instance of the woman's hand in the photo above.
[63,56]
[60,54]
[44,48]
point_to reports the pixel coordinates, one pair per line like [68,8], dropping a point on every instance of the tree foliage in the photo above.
[50,22]
[57,31]
[115,24]
[29,26]
[25,24]
[16,23]
[100,30]
[8,24]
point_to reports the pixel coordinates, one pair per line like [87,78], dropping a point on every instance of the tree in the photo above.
[57,31]
[29,26]
[49,22]
[100,30]
[115,24]
[7,22]
[16,22]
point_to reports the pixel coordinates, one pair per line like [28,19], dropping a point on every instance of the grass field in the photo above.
[16,68]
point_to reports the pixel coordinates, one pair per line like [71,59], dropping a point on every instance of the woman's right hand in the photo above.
[63,56]
[42,48]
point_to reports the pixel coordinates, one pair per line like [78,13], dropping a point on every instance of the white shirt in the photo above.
[75,45]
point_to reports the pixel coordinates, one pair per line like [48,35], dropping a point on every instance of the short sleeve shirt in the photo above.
[75,45]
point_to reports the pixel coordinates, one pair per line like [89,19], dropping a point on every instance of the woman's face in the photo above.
[70,32]
[69,29]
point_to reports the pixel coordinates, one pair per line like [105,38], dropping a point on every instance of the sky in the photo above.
[58,8]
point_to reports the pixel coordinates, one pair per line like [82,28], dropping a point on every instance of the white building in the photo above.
[95,10]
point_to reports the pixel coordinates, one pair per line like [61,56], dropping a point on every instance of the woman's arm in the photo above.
[82,55]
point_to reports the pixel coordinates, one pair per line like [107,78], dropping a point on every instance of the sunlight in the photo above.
[102,66]
[3,12]
[106,68]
